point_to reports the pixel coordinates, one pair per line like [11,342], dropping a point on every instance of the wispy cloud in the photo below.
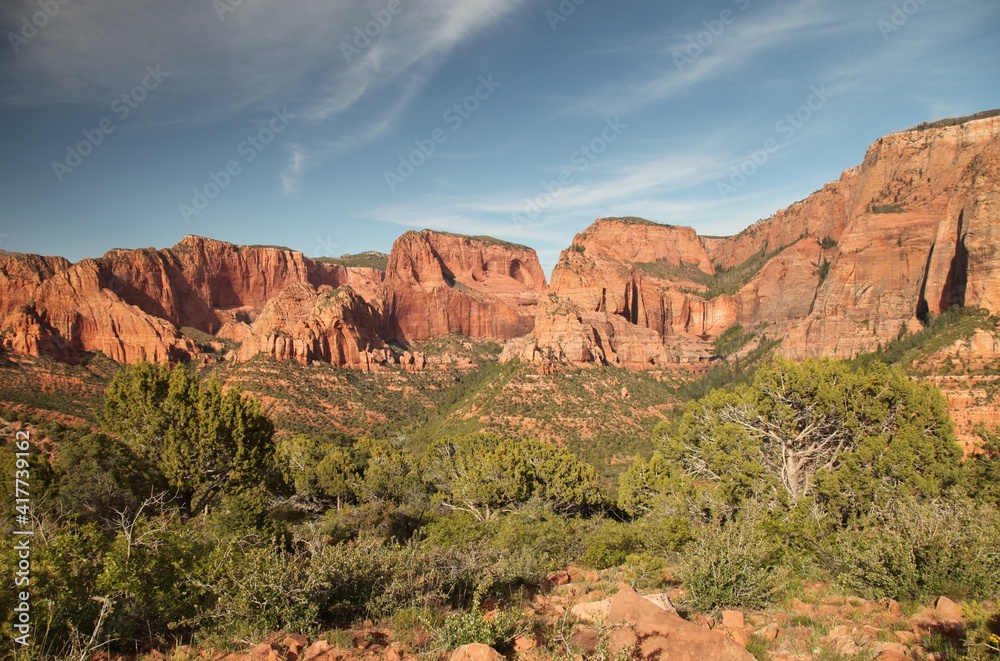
[628,187]
[757,30]
[264,52]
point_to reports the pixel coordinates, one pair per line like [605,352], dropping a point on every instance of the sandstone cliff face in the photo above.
[77,311]
[438,283]
[921,237]
[335,326]
[910,232]
[618,294]
[639,295]
[902,237]
[20,277]
[129,304]
[204,283]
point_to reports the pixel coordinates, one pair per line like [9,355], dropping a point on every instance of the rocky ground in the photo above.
[586,614]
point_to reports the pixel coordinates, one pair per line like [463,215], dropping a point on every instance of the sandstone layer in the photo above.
[437,284]
[901,238]
[897,240]
[921,236]
[335,326]
[146,304]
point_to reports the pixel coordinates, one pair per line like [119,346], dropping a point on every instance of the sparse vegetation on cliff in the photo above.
[369,260]
[895,207]
[955,121]
[723,282]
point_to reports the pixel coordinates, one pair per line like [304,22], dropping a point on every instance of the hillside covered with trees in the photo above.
[182,520]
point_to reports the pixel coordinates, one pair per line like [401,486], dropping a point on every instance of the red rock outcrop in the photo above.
[335,326]
[654,633]
[910,232]
[203,283]
[129,304]
[438,283]
[633,293]
[132,304]
[902,237]
[924,215]
[75,311]
[20,277]
[619,296]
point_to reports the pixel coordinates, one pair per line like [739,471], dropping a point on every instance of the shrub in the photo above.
[382,519]
[982,470]
[199,440]
[321,472]
[910,549]
[819,428]
[731,565]
[982,633]
[65,566]
[664,532]
[147,576]
[644,571]
[473,627]
[611,544]
[258,590]
[97,476]
[485,475]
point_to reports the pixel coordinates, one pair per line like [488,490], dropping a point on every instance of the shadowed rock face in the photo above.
[436,284]
[910,232]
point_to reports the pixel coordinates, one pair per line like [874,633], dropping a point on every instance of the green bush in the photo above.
[665,532]
[254,591]
[374,578]
[731,565]
[384,519]
[147,575]
[486,476]
[910,549]
[244,511]
[982,632]
[611,544]
[981,471]
[65,567]
[644,571]
[97,476]
[846,436]
[552,539]
[199,440]
[473,627]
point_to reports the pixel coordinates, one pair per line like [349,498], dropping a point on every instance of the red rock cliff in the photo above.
[905,235]
[438,283]
[129,304]
[921,236]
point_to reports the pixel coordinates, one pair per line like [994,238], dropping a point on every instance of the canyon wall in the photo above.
[897,240]
[902,237]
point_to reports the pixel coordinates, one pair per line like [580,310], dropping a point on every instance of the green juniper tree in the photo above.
[199,440]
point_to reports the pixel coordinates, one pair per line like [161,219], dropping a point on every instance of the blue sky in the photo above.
[130,123]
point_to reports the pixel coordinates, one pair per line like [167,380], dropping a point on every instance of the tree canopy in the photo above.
[199,440]
[485,475]
[818,429]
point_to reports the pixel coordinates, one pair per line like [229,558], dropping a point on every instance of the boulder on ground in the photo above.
[947,610]
[663,635]
[475,652]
